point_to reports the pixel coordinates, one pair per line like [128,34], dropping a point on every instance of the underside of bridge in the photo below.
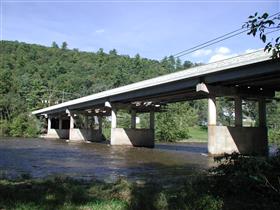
[254,77]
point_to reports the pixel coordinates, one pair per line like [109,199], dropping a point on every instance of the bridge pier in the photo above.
[85,133]
[55,128]
[244,140]
[132,136]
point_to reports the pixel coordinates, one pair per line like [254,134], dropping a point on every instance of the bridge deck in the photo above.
[255,70]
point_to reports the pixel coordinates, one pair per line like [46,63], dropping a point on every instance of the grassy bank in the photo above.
[237,183]
[66,193]
[196,134]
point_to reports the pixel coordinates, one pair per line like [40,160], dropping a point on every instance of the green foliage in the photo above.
[4,128]
[273,123]
[34,76]
[173,124]
[54,45]
[24,125]
[198,133]
[262,25]
[253,182]
[274,136]
[124,119]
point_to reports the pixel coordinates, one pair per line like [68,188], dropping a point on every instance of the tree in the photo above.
[54,45]
[262,25]
[34,76]
[64,45]
[173,124]
[187,64]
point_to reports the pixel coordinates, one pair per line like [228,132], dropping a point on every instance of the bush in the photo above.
[4,128]
[274,136]
[247,182]
[24,125]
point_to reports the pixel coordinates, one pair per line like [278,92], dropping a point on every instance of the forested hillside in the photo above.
[34,76]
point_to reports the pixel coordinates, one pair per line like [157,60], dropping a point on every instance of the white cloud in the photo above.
[218,57]
[223,50]
[99,31]
[221,54]
[203,52]
[225,53]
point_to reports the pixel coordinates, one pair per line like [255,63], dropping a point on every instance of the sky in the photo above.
[153,29]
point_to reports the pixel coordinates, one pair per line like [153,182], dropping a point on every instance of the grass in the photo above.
[65,193]
[198,134]
[60,193]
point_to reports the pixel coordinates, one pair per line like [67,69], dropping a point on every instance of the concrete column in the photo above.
[72,121]
[152,120]
[60,123]
[133,118]
[212,111]
[238,111]
[114,118]
[262,113]
[100,124]
[49,123]
[95,118]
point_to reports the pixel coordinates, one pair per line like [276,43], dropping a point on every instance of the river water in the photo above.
[40,158]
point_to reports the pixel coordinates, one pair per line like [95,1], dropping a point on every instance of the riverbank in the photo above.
[66,193]
[237,183]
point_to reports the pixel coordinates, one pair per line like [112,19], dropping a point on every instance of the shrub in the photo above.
[4,128]
[24,125]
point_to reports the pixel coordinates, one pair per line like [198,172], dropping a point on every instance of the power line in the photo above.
[207,42]
[220,40]
[272,31]
[216,40]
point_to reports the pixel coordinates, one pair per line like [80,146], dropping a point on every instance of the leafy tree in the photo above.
[24,125]
[173,124]
[34,76]
[262,25]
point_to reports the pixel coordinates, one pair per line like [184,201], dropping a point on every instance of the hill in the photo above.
[34,76]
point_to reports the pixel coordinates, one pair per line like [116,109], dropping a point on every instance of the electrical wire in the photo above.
[217,40]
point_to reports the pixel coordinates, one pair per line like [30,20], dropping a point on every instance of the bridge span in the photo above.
[253,76]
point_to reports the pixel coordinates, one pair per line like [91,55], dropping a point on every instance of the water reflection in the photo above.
[41,158]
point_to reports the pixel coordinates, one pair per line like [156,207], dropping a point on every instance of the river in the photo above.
[42,158]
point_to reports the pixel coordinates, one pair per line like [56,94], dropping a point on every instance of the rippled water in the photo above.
[40,158]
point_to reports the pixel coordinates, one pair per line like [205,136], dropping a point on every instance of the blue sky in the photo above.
[152,29]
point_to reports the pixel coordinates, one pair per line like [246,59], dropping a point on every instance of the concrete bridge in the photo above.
[253,76]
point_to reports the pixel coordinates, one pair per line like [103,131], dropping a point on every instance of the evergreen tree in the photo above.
[54,45]
[64,45]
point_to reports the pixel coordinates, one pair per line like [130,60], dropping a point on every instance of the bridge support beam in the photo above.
[131,136]
[244,140]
